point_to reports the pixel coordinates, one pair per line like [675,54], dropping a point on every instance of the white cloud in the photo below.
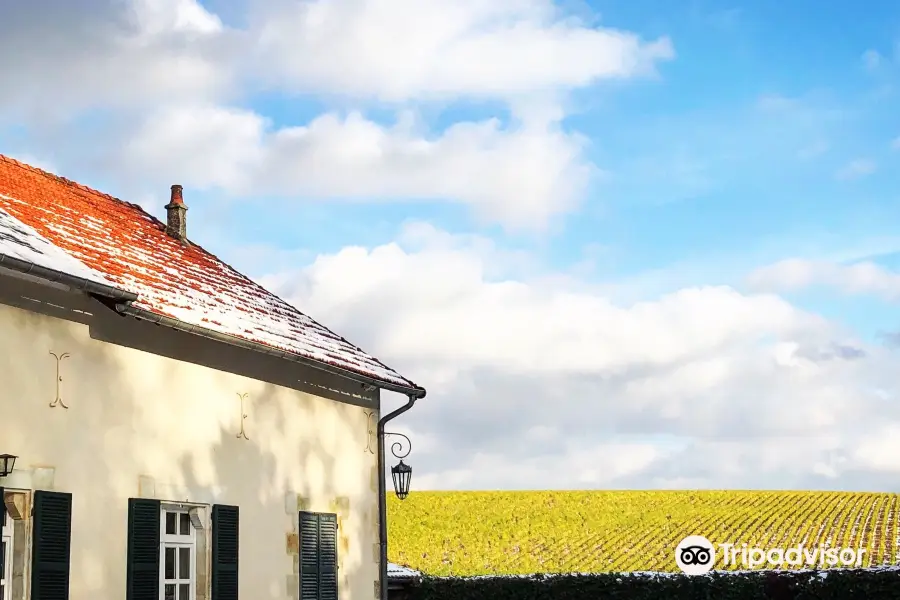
[584,468]
[172,84]
[856,169]
[107,53]
[174,16]
[881,450]
[871,59]
[199,146]
[124,53]
[522,174]
[542,382]
[858,278]
[407,49]
[580,332]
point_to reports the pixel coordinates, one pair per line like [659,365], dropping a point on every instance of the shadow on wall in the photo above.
[180,346]
[153,402]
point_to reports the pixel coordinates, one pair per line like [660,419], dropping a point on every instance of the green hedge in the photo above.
[837,584]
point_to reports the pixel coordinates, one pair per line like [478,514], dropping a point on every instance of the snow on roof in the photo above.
[400,572]
[91,232]
[18,240]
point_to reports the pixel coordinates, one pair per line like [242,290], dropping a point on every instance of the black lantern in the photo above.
[7,462]
[402,474]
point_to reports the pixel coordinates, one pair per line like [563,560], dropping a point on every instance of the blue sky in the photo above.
[638,228]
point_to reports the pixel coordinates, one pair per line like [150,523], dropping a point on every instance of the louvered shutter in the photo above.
[309,556]
[225,529]
[328,589]
[50,546]
[143,549]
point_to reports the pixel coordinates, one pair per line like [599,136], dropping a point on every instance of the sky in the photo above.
[643,244]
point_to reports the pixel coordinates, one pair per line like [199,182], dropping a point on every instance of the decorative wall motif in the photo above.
[242,433]
[372,433]
[59,401]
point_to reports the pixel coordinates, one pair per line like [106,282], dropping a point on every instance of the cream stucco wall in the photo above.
[156,413]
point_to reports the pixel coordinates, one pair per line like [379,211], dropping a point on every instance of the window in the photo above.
[6,551]
[318,556]
[168,550]
[177,555]
[51,534]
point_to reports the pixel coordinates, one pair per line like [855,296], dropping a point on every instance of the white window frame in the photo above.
[7,566]
[177,541]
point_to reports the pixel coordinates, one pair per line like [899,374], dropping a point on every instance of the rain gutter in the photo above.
[233,340]
[73,281]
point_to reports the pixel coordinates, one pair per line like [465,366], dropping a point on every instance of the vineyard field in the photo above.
[513,533]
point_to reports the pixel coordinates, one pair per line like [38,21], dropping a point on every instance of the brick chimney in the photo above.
[176,215]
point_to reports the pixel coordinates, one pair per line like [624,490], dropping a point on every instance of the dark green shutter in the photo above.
[50,546]
[328,587]
[143,549]
[309,556]
[318,556]
[225,529]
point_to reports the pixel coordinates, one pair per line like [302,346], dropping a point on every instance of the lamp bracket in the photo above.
[397,447]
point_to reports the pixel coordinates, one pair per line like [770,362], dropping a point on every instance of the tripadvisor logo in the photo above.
[696,555]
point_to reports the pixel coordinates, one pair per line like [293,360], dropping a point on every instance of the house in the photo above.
[400,580]
[181,432]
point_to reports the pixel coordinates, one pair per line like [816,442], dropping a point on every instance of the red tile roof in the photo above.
[131,249]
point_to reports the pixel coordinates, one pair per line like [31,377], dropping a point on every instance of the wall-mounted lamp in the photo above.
[7,462]
[402,473]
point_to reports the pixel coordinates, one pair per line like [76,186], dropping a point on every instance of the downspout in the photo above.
[382,495]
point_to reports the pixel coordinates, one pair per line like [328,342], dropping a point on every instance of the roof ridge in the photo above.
[69,182]
[86,188]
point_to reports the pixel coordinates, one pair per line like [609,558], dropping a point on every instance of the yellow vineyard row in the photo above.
[478,533]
